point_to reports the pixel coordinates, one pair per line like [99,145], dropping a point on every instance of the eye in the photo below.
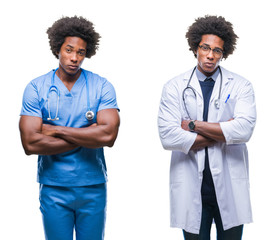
[82,53]
[217,50]
[68,50]
[205,48]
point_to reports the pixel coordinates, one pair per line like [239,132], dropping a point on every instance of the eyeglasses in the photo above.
[216,51]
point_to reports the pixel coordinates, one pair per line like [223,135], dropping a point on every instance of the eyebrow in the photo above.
[213,48]
[81,49]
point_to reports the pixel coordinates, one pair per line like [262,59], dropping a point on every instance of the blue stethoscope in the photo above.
[53,88]
[216,102]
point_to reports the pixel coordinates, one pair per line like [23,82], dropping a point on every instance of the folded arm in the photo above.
[104,133]
[202,142]
[172,136]
[35,142]
[211,131]
[239,128]
[45,139]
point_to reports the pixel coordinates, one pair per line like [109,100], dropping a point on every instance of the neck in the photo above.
[68,79]
[207,74]
[65,77]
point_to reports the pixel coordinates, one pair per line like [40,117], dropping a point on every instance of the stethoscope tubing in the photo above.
[188,86]
[53,88]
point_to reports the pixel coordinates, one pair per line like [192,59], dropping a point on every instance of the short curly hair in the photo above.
[212,25]
[73,27]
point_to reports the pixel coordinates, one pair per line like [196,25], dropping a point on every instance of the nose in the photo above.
[210,55]
[74,58]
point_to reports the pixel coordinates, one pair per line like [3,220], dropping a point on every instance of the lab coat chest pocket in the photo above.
[226,111]
[237,160]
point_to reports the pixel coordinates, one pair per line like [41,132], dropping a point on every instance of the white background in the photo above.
[143,45]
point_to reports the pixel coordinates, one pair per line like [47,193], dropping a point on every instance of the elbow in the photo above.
[239,137]
[110,143]
[27,150]
[166,144]
[247,136]
[29,147]
[238,131]
[28,153]
[109,140]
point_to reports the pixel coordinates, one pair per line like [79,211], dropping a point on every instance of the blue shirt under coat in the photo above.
[208,188]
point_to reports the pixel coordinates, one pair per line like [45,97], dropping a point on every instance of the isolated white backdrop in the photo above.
[143,45]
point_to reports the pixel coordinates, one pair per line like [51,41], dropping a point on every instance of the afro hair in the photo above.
[73,27]
[212,25]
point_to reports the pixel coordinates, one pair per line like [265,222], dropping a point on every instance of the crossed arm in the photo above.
[45,139]
[207,133]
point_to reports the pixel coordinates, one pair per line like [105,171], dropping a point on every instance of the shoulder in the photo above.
[91,76]
[238,83]
[96,80]
[38,82]
[236,78]
[178,81]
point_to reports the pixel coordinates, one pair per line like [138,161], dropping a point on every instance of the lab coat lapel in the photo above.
[225,79]
[194,83]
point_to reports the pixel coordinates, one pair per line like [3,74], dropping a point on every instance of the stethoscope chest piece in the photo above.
[188,87]
[89,115]
[217,103]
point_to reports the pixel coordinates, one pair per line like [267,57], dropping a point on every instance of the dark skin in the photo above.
[45,139]
[207,133]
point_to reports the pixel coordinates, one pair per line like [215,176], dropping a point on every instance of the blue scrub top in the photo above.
[81,166]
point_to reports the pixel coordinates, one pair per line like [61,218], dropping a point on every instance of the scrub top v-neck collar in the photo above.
[75,89]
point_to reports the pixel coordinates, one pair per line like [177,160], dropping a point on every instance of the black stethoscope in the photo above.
[53,88]
[216,102]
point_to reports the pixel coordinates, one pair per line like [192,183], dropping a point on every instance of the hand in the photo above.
[48,130]
[201,142]
[184,125]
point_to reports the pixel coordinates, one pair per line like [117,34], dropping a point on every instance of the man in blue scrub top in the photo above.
[69,144]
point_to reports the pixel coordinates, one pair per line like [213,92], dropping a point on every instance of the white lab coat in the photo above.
[228,161]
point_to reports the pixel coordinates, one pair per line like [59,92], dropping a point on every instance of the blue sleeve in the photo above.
[108,97]
[30,103]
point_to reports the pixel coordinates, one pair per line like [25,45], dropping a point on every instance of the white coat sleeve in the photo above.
[172,136]
[241,128]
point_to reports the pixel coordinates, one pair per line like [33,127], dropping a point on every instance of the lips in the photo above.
[209,65]
[73,67]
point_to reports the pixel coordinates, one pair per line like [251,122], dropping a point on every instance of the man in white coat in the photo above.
[206,116]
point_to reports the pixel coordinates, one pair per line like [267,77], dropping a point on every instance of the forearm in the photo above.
[45,145]
[202,142]
[101,134]
[94,136]
[35,142]
[210,130]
